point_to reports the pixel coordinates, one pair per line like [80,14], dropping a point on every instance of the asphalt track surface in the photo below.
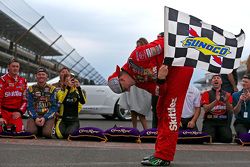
[63,153]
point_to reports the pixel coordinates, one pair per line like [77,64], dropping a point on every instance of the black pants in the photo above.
[65,128]
[184,123]
[241,127]
[218,129]
[154,117]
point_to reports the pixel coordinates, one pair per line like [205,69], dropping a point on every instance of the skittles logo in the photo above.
[206,46]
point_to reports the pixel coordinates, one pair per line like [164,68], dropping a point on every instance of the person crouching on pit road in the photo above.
[241,104]
[217,105]
[42,106]
[145,69]
[71,99]
[13,102]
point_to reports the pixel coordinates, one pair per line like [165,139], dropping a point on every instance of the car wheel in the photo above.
[121,113]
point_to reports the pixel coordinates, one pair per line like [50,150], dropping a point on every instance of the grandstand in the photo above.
[27,36]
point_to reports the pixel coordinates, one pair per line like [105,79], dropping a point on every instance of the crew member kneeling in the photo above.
[71,99]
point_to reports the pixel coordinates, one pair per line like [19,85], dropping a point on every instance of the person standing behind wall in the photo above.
[13,102]
[229,82]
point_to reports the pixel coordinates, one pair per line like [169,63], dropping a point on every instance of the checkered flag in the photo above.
[191,42]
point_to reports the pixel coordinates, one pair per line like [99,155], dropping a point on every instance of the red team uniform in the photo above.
[13,99]
[143,66]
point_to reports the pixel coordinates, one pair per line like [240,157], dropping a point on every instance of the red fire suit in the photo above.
[13,99]
[143,65]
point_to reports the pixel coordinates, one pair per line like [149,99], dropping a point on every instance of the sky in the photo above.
[105,32]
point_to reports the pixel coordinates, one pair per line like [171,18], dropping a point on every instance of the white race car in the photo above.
[101,100]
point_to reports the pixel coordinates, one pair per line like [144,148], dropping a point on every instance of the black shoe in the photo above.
[155,162]
[148,157]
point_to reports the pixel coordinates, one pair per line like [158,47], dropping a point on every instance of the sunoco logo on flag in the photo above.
[191,42]
[206,46]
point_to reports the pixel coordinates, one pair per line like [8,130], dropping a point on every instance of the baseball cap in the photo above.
[247,76]
[113,81]
[41,69]
[214,75]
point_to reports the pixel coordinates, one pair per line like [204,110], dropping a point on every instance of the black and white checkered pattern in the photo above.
[177,26]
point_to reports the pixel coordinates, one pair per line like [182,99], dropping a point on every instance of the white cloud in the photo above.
[104,32]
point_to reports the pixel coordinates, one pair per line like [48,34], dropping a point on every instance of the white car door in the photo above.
[100,99]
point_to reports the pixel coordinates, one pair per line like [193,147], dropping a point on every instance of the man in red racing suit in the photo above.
[145,70]
[13,100]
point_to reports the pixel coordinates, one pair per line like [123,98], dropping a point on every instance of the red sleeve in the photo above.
[145,52]
[204,98]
